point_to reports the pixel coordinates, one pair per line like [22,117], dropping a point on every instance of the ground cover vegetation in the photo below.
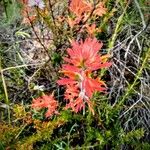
[75,74]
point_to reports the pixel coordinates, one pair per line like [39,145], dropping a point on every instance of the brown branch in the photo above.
[32,26]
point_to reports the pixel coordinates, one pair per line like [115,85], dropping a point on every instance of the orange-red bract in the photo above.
[46,101]
[78,7]
[100,9]
[85,54]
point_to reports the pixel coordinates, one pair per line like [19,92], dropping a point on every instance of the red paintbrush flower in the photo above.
[46,101]
[76,99]
[85,55]
[100,9]
[91,29]
[79,7]
[83,59]
[93,85]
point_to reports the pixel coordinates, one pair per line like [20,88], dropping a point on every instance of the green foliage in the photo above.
[53,134]
[11,11]
[134,136]
[13,135]
[56,59]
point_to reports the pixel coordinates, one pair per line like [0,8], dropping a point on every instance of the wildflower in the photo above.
[91,29]
[72,91]
[92,85]
[46,101]
[38,3]
[72,22]
[85,55]
[72,95]
[80,86]
[78,7]
[40,88]
[100,9]
[76,99]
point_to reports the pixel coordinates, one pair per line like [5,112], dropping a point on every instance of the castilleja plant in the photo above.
[81,12]
[83,9]
[83,59]
[48,102]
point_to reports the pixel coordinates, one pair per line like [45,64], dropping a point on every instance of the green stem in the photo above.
[117,29]
[5,8]
[5,91]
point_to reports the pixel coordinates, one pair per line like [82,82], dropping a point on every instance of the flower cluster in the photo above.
[46,101]
[83,59]
[82,11]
